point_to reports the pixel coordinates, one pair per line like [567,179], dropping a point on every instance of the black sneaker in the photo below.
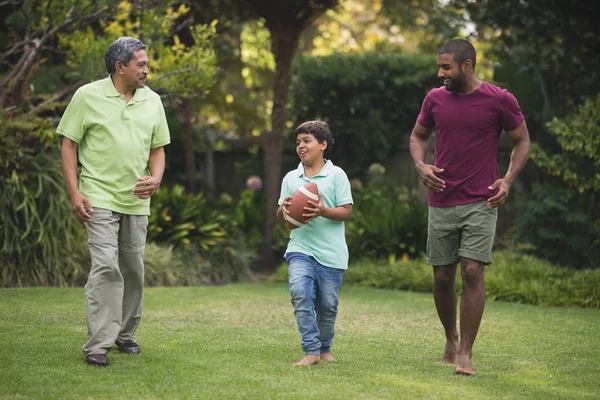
[128,348]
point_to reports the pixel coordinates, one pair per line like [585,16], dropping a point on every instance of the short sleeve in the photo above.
[160,135]
[72,123]
[343,192]
[512,116]
[285,190]
[425,118]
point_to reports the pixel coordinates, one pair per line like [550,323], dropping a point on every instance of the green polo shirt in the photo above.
[114,140]
[322,238]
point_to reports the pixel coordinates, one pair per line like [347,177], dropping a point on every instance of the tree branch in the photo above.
[11,86]
[171,73]
[48,13]
[185,23]
[58,97]
[15,47]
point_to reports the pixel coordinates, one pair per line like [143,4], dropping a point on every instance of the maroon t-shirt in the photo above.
[467,132]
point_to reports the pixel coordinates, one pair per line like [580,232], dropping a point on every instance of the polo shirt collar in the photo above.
[111,91]
[326,170]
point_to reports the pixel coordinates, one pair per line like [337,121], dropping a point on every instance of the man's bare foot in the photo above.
[449,356]
[308,359]
[327,357]
[463,365]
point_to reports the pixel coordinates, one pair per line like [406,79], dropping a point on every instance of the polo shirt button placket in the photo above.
[125,115]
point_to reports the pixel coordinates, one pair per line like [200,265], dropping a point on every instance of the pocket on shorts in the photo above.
[102,228]
[133,234]
[142,223]
[438,221]
[478,231]
[481,220]
[442,236]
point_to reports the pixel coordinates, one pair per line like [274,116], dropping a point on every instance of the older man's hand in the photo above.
[145,187]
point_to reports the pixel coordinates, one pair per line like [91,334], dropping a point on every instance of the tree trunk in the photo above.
[189,150]
[210,164]
[284,43]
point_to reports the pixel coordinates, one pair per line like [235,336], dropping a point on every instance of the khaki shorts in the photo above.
[462,231]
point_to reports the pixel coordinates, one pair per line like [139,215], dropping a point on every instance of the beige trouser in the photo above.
[114,290]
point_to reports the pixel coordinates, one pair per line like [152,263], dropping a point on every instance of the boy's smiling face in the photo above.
[309,149]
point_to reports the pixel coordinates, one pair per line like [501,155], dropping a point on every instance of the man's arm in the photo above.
[156,163]
[79,203]
[520,153]
[147,185]
[518,159]
[418,151]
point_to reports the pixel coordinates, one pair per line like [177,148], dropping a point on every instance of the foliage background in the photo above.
[362,65]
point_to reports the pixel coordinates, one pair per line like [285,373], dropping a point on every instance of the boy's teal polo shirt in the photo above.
[114,140]
[322,238]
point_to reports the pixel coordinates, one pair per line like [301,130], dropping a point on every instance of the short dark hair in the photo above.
[319,129]
[461,50]
[121,50]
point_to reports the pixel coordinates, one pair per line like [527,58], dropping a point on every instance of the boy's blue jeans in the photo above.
[314,289]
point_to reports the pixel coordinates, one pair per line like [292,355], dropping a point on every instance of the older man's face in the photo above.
[134,74]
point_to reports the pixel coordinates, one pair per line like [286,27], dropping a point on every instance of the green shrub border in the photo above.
[513,277]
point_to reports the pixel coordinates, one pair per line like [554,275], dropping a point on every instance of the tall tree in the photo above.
[237,104]
[286,20]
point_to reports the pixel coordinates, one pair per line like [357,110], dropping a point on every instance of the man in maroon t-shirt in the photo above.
[464,186]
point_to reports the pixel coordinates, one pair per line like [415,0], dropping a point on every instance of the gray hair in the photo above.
[121,50]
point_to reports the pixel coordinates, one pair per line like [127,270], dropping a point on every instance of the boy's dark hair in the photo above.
[461,49]
[319,129]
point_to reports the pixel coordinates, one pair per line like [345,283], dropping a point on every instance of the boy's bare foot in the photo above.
[327,357]
[463,365]
[449,356]
[308,359]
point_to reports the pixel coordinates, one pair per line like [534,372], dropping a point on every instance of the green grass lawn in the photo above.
[239,341]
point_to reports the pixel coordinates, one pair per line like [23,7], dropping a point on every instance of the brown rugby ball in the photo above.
[299,200]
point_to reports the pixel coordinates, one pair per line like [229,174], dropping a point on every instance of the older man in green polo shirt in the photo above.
[117,127]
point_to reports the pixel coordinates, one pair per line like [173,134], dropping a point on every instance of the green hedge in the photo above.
[512,277]
[370,100]
[388,222]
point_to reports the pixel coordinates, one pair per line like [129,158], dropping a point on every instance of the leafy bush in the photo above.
[182,219]
[388,222]
[167,266]
[226,262]
[370,100]
[163,266]
[523,278]
[576,166]
[214,242]
[513,277]
[247,219]
[551,222]
[40,237]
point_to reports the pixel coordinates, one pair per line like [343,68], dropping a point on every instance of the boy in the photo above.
[317,254]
